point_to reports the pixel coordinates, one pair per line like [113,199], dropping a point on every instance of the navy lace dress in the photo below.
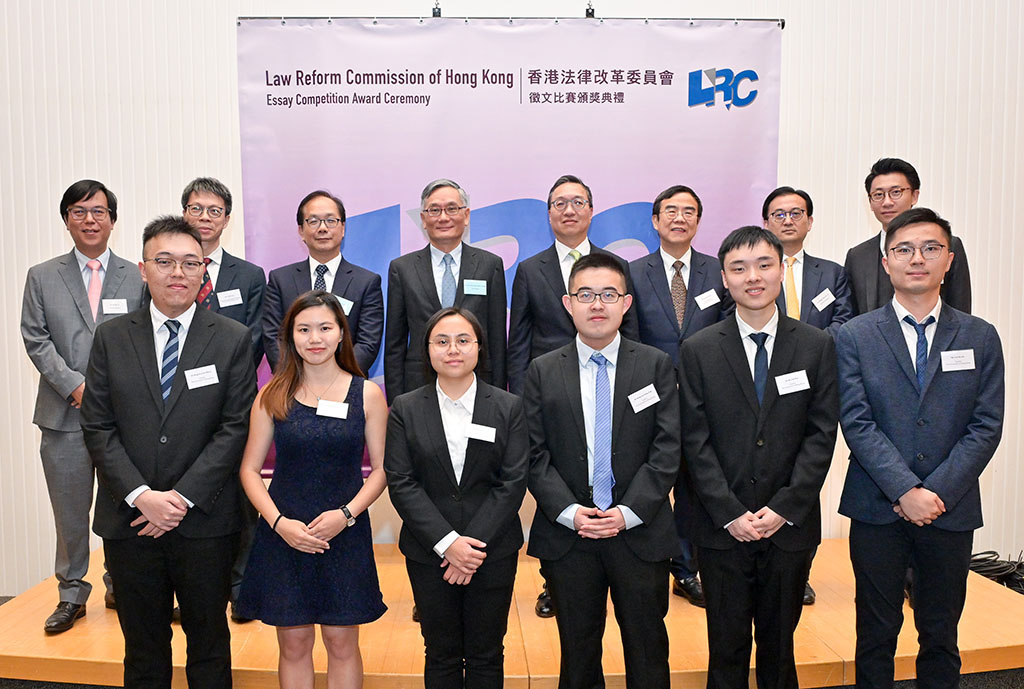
[318,468]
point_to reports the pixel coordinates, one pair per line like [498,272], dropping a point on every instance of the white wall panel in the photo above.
[142,95]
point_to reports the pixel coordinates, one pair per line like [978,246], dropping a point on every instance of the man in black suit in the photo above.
[231,286]
[446,272]
[165,417]
[321,221]
[760,410]
[603,417]
[893,186]
[678,292]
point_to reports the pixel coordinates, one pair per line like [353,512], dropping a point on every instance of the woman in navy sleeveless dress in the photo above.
[312,557]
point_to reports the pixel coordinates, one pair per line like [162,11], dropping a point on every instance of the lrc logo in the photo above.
[725,82]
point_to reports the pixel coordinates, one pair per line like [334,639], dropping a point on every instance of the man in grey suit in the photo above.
[921,394]
[65,298]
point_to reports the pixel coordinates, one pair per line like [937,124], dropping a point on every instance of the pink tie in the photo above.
[95,286]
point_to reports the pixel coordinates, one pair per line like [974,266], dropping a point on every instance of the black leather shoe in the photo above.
[176,615]
[63,617]
[690,589]
[809,595]
[236,618]
[415,614]
[545,607]
[108,600]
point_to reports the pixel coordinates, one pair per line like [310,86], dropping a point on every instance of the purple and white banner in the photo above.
[373,109]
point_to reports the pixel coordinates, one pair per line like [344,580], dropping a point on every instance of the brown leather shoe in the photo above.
[63,617]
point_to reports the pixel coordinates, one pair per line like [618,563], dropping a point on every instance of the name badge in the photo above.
[958,360]
[112,306]
[336,410]
[478,432]
[201,377]
[792,382]
[824,298]
[707,299]
[474,287]
[231,297]
[643,398]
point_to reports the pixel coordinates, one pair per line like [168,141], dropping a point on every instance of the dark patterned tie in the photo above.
[921,362]
[320,283]
[205,296]
[679,292]
[760,364]
[170,359]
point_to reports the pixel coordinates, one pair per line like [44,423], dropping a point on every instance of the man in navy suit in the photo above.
[678,292]
[321,221]
[922,412]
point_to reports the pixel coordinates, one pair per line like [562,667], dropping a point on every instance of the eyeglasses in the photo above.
[671,212]
[794,215]
[450,211]
[79,213]
[577,203]
[189,266]
[196,211]
[462,342]
[314,223]
[586,296]
[896,193]
[905,252]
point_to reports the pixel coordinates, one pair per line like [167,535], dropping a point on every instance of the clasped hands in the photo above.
[462,558]
[920,506]
[753,526]
[591,522]
[162,510]
[312,537]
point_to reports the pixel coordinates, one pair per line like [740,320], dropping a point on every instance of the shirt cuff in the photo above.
[134,495]
[568,516]
[441,546]
[629,516]
[187,501]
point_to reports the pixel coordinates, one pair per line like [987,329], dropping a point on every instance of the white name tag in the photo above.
[824,298]
[707,299]
[112,306]
[231,297]
[201,377]
[336,410]
[346,304]
[643,398]
[958,360]
[792,382]
[478,432]
[474,287]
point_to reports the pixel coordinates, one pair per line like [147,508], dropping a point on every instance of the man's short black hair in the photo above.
[672,191]
[915,216]
[169,224]
[83,190]
[748,236]
[597,260]
[570,179]
[208,185]
[318,194]
[889,166]
[783,191]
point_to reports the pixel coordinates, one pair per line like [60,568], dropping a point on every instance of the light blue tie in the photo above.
[170,359]
[604,479]
[922,347]
[448,283]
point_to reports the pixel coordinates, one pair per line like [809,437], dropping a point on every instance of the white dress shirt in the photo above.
[86,271]
[910,332]
[565,261]
[456,417]
[588,380]
[437,265]
[213,267]
[670,271]
[749,346]
[798,276]
[332,271]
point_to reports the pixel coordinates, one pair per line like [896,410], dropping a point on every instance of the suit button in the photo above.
[456,497]
[920,422]
[163,440]
[753,479]
[920,457]
[760,442]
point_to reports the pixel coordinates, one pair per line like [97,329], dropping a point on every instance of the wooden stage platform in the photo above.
[991,636]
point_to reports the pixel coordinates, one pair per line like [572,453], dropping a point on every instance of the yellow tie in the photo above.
[792,302]
[575,255]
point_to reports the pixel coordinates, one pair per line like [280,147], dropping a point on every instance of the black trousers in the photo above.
[684,566]
[940,560]
[147,573]
[760,583]
[464,627]
[579,583]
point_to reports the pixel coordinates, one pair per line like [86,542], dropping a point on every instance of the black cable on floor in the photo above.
[1008,573]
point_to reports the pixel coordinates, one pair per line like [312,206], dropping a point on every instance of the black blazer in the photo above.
[652,301]
[358,285]
[645,449]
[538,322]
[412,300]
[421,482]
[871,287]
[821,274]
[192,443]
[742,456]
[250,281]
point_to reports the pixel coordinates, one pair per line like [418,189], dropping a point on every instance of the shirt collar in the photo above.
[771,327]
[216,256]
[159,318]
[437,256]
[103,258]
[332,265]
[799,256]
[881,242]
[669,259]
[610,352]
[902,313]
[562,250]
[468,399]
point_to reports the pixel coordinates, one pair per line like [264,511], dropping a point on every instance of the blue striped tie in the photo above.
[921,362]
[604,479]
[448,283]
[170,362]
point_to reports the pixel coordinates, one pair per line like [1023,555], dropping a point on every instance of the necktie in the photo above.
[679,292]
[575,255]
[320,283]
[448,283]
[205,296]
[604,480]
[170,359]
[921,361]
[792,301]
[760,364]
[95,287]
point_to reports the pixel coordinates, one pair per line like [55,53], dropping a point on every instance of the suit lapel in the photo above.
[72,278]
[945,330]
[483,415]
[812,285]
[892,333]
[434,427]
[301,279]
[467,269]
[200,334]
[343,278]
[656,277]
[570,364]
[700,277]
[552,272]
[116,273]
[141,335]
[425,272]
[783,352]
[624,369]
[732,349]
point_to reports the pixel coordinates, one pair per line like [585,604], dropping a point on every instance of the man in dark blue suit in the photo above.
[814,290]
[321,221]
[678,292]
[922,412]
